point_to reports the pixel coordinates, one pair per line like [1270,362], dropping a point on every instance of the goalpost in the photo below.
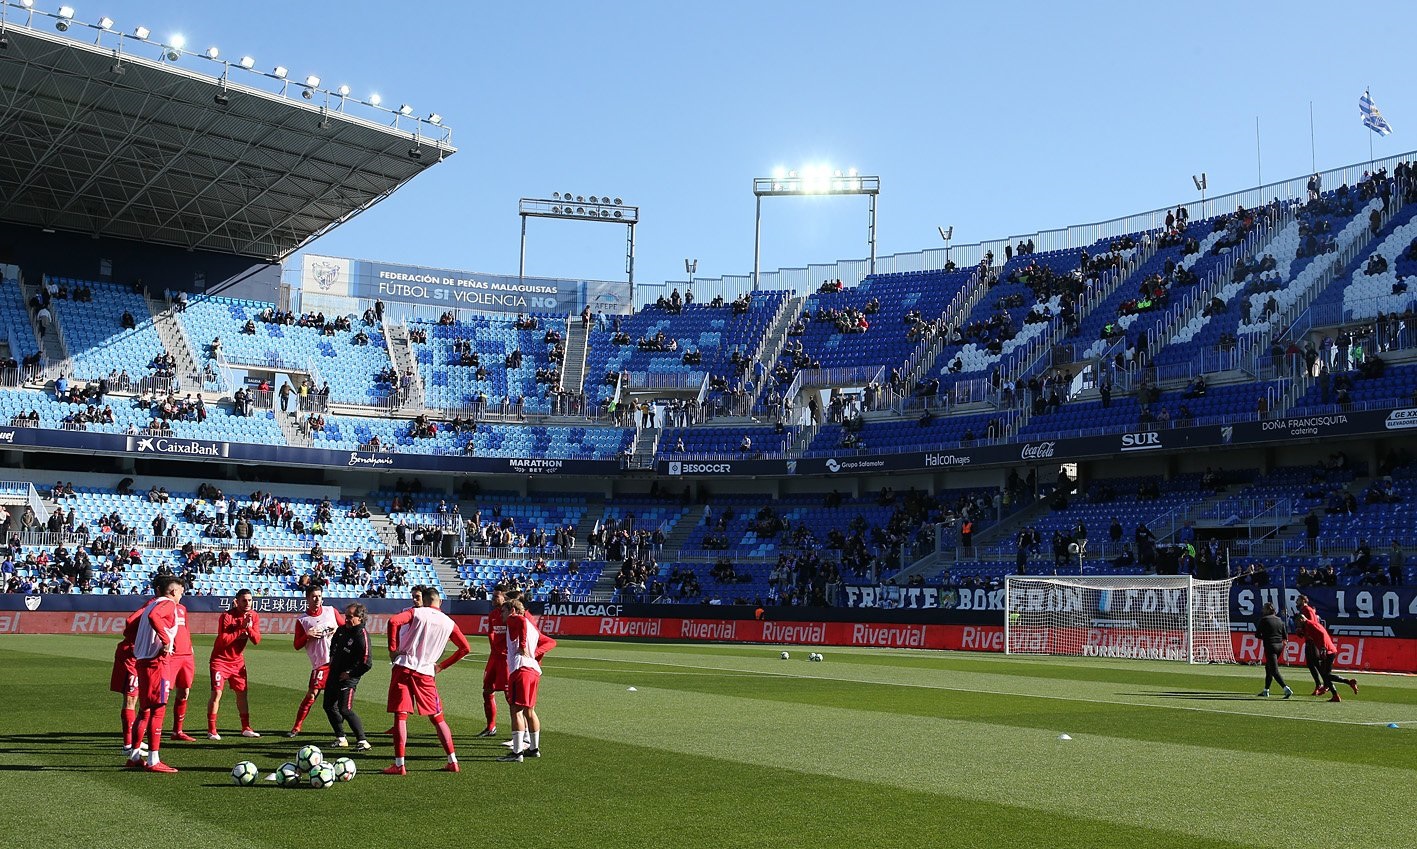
[1144,617]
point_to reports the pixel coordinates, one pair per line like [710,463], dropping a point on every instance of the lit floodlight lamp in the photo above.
[280,72]
[212,53]
[247,62]
[405,109]
[142,33]
[177,41]
[779,172]
[375,100]
[434,118]
[105,23]
[344,91]
[851,172]
[27,4]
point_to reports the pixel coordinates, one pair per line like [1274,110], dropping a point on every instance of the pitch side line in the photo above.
[1003,693]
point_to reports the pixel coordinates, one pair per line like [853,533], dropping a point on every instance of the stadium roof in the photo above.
[148,153]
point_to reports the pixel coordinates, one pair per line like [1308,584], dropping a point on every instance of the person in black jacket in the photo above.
[1272,632]
[349,660]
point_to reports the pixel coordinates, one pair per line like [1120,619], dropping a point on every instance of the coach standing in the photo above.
[1272,632]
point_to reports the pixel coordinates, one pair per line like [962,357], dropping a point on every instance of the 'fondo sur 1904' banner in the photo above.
[340,277]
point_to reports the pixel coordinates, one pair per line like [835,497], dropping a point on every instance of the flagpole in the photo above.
[1313,157]
[1259,170]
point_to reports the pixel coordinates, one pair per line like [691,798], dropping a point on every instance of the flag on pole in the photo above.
[1372,116]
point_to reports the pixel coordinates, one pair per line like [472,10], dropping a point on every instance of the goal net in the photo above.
[1145,617]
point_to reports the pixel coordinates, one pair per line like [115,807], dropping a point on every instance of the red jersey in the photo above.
[182,645]
[497,635]
[1318,634]
[130,630]
[232,632]
[157,629]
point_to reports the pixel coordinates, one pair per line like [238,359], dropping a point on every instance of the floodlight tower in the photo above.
[815,180]
[604,209]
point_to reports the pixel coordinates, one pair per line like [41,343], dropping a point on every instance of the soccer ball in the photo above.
[322,775]
[814,657]
[244,774]
[785,655]
[287,775]
[307,757]
[345,769]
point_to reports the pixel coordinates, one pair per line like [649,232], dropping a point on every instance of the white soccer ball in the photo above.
[815,657]
[785,655]
[287,775]
[307,757]
[244,774]
[345,770]
[321,775]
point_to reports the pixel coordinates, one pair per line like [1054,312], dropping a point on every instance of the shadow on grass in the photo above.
[1200,695]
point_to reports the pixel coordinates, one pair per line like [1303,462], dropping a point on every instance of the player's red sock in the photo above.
[211,722]
[139,728]
[127,716]
[489,709]
[245,722]
[159,713]
[305,706]
[179,716]
[400,735]
[445,734]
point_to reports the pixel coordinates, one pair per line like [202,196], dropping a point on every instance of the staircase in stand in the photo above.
[402,358]
[776,336]
[577,347]
[52,345]
[289,425]
[175,342]
[646,441]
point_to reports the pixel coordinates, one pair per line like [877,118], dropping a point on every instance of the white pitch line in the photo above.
[1006,693]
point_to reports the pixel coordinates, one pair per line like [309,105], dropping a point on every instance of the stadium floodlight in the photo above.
[375,99]
[105,23]
[312,81]
[64,16]
[947,233]
[27,4]
[177,42]
[4,41]
[344,91]
[405,109]
[814,180]
[212,53]
[247,62]
[221,98]
[434,118]
[141,33]
[280,72]
[594,208]
[1142,617]
[691,266]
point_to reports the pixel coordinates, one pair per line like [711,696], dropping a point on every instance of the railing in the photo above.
[25,490]
[668,381]
[1218,278]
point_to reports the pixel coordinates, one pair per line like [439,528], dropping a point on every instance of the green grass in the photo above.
[726,746]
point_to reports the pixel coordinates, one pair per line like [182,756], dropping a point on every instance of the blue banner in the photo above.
[286,455]
[451,289]
[1350,611]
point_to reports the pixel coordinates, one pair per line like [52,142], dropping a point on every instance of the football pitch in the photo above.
[728,746]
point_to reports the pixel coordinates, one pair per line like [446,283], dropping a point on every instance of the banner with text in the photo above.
[452,289]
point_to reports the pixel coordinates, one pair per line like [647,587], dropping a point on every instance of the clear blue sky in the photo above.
[1000,118]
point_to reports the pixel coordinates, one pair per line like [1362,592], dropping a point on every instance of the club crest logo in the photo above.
[32,602]
[326,274]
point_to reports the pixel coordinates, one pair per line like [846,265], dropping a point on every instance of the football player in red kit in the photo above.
[237,625]
[494,674]
[153,648]
[313,630]
[417,639]
[526,645]
[124,681]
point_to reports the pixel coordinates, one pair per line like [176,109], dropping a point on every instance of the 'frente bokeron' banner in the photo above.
[452,289]
[1372,654]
